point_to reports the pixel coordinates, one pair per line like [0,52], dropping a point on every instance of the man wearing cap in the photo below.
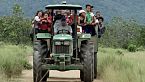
[90,20]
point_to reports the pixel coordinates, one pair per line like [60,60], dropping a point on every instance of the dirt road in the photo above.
[55,76]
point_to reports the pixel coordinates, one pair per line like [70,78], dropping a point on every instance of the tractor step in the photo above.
[63,68]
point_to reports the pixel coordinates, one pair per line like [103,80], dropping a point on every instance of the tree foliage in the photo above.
[121,33]
[15,28]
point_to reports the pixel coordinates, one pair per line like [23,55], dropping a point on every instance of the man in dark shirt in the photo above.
[101,27]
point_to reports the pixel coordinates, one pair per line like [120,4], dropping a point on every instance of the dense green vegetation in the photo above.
[119,33]
[115,65]
[118,65]
[110,8]
[122,33]
[15,29]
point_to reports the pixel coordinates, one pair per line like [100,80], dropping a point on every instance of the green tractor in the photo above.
[67,52]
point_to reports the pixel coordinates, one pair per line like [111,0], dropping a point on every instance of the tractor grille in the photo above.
[61,49]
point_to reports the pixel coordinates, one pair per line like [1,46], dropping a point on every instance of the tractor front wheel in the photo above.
[40,51]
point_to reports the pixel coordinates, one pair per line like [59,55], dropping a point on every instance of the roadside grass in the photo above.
[13,60]
[118,65]
[114,65]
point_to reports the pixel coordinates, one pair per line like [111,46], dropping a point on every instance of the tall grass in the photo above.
[117,65]
[13,59]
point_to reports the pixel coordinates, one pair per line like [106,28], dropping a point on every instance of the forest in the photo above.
[120,57]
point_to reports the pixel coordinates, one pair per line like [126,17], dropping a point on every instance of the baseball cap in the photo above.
[82,11]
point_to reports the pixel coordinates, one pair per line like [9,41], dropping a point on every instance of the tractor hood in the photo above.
[62,37]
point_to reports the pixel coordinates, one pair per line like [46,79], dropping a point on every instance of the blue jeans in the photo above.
[90,29]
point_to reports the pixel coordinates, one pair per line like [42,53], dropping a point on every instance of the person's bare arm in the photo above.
[79,21]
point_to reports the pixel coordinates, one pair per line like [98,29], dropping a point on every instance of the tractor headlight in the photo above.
[57,43]
[66,43]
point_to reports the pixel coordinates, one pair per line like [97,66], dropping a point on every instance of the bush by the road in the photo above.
[132,48]
[13,60]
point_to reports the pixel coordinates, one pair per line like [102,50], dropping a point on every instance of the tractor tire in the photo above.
[95,65]
[86,52]
[81,75]
[91,47]
[40,51]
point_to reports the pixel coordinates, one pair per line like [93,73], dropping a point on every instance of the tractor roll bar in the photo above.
[68,7]
[64,6]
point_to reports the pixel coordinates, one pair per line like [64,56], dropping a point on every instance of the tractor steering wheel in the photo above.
[63,31]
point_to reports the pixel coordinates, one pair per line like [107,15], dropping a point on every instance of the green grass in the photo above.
[13,59]
[117,65]
[114,65]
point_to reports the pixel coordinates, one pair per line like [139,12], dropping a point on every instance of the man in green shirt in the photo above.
[89,18]
[89,21]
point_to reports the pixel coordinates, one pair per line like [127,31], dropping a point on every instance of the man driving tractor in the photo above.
[63,27]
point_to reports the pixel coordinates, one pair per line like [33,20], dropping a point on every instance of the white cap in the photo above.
[82,11]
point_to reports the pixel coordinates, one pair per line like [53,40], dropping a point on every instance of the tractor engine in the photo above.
[62,49]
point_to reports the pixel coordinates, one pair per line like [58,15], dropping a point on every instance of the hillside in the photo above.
[109,8]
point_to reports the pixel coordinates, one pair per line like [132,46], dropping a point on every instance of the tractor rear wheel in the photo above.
[40,52]
[91,47]
[87,74]
[82,75]
[95,65]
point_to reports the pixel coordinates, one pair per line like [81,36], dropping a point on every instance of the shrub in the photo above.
[13,60]
[132,48]
[141,48]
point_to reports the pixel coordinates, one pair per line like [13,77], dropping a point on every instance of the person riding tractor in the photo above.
[69,49]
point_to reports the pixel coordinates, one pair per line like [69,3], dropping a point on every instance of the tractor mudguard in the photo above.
[43,35]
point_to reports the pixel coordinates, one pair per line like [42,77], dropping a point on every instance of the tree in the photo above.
[121,33]
[15,28]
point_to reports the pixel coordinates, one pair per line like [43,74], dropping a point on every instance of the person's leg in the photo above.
[48,43]
[99,33]
[32,33]
[93,30]
[89,29]
[103,30]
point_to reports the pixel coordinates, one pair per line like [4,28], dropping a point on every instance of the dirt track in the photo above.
[55,76]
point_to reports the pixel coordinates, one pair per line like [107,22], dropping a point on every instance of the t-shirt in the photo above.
[72,18]
[45,25]
[88,17]
[96,21]
[92,14]
[37,18]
